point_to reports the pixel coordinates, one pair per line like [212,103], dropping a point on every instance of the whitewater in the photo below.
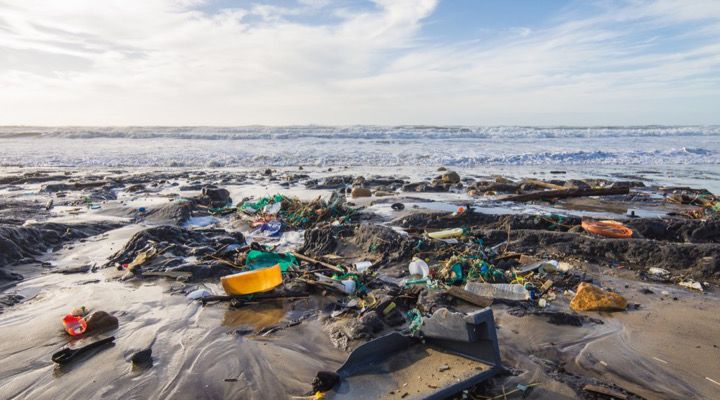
[460,146]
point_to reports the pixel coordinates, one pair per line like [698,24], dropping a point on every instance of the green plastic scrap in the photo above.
[457,275]
[258,205]
[421,281]
[221,210]
[257,259]
[416,320]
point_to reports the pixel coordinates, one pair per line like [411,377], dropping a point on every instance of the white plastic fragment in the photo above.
[419,267]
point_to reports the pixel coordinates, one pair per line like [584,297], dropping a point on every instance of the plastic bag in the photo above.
[257,259]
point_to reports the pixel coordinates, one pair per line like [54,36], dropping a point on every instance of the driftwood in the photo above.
[318,262]
[566,193]
[168,274]
[251,298]
[470,297]
[546,185]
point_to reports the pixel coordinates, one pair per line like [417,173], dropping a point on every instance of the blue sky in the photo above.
[458,62]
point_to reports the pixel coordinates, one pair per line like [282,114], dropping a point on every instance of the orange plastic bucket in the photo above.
[607,228]
[74,326]
[256,281]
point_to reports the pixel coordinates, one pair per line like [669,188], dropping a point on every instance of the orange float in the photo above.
[607,228]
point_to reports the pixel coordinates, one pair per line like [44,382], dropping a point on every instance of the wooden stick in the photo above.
[245,298]
[314,261]
[470,297]
[565,193]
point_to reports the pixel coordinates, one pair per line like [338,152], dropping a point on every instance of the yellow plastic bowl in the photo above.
[259,280]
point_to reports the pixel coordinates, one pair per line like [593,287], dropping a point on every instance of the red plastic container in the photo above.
[74,325]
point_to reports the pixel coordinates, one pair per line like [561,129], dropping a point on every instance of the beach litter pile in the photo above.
[414,294]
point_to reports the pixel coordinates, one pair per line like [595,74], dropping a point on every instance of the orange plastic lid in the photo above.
[74,325]
[607,228]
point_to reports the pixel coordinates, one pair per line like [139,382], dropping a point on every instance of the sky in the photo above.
[344,62]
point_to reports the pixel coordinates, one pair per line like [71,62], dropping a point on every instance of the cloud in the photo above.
[175,62]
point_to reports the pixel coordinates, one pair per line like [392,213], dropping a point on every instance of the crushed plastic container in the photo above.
[255,281]
[74,325]
[502,291]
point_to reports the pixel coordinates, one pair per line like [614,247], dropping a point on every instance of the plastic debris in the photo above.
[695,285]
[447,234]
[659,274]
[198,294]
[363,266]
[268,229]
[253,207]
[256,281]
[501,291]
[419,267]
[74,325]
[607,228]
[257,259]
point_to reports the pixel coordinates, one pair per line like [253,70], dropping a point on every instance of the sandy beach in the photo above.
[66,234]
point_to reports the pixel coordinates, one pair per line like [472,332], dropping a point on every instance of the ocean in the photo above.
[459,146]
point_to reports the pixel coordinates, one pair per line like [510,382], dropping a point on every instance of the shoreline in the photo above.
[224,351]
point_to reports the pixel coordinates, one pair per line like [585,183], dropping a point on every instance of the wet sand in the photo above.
[667,348]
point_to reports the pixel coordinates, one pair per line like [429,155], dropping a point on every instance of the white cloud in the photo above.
[167,62]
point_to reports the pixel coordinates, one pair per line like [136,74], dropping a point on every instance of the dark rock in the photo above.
[360,192]
[331,182]
[135,188]
[431,300]
[64,187]
[451,177]
[101,321]
[142,357]
[635,254]
[325,381]
[426,187]
[75,270]
[191,188]
[175,213]
[17,243]
[677,229]
[9,276]
[217,197]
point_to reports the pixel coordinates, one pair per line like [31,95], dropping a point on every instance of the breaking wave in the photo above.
[358,146]
[356,132]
